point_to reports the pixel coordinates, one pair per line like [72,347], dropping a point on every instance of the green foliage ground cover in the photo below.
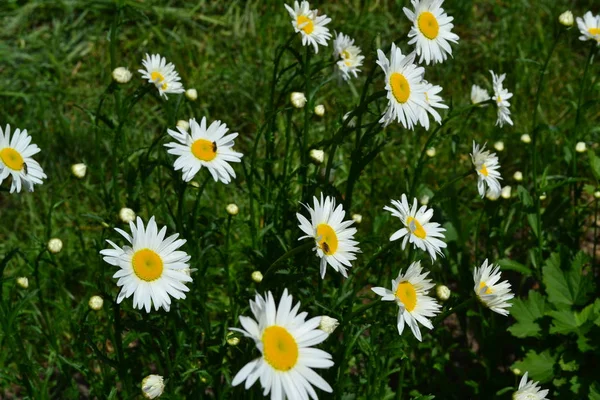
[56,60]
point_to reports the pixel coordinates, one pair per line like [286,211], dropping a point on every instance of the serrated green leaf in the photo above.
[566,287]
[540,366]
[594,391]
[563,322]
[507,264]
[526,312]
[525,329]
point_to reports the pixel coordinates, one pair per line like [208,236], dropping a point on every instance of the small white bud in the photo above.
[96,303]
[597,194]
[23,282]
[492,195]
[543,196]
[126,215]
[320,110]
[357,218]
[566,18]
[516,371]
[194,184]
[79,170]
[183,124]
[121,75]
[525,138]
[232,209]
[499,145]
[580,147]
[518,176]
[55,245]
[328,324]
[257,276]
[153,386]
[232,340]
[506,191]
[191,94]
[443,292]
[317,156]
[424,200]
[430,152]
[298,99]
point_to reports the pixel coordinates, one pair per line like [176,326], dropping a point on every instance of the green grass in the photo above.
[55,66]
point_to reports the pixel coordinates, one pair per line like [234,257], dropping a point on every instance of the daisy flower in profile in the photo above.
[310,25]
[403,82]
[479,95]
[431,30]
[432,101]
[487,166]
[501,96]
[492,294]
[162,75]
[332,235]
[350,57]
[152,268]
[589,26]
[284,339]
[529,390]
[204,147]
[16,161]
[153,386]
[409,291]
[417,228]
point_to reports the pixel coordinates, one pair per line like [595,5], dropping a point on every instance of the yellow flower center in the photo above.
[308,27]
[594,31]
[12,158]
[147,265]
[157,77]
[400,87]
[407,294]
[428,25]
[280,349]
[487,288]
[416,228]
[484,170]
[327,238]
[204,150]
[345,54]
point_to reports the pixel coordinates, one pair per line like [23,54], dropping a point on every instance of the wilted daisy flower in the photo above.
[16,161]
[501,96]
[332,236]
[432,101]
[409,291]
[487,166]
[589,26]
[479,95]
[417,228]
[406,92]
[492,294]
[204,147]
[351,59]
[287,360]
[431,30]
[152,268]
[153,386]
[529,390]
[161,74]
[310,25]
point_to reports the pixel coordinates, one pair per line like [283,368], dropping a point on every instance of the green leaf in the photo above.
[525,329]
[532,219]
[594,163]
[566,287]
[524,196]
[540,366]
[526,312]
[514,266]
[563,322]
[594,391]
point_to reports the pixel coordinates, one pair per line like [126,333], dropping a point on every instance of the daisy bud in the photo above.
[320,110]
[55,245]
[152,386]
[257,276]
[543,196]
[96,303]
[79,170]
[352,122]
[580,147]
[424,200]
[23,282]
[525,138]
[191,94]
[492,195]
[597,194]
[442,292]
[516,371]
[328,324]
[499,145]
[357,218]
[121,75]
[317,156]
[506,190]
[232,340]
[232,209]
[194,184]
[430,152]
[566,18]
[183,124]
[518,176]
[298,99]
[126,215]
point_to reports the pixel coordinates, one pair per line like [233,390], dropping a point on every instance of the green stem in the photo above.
[122,370]
[227,269]
[304,246]
[306,130]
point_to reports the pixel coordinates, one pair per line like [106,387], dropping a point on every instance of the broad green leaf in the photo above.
[594,391]
[525,329]
[540,366]
[507,264]
[566,287]
[563,322]
[526,312]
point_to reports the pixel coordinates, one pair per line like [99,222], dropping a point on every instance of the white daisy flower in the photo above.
[285,340]
[153,386]
[351,59]
[501,96]
[16,161]
[529,390]
[432,101]
[406,92]
[204,147]
[152,269]
[161,74]
[333,236]
[479,95]
[431,30]
[492,294]
[487,166]
[417,228]
[409,291]
[310,25]
[589,26]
